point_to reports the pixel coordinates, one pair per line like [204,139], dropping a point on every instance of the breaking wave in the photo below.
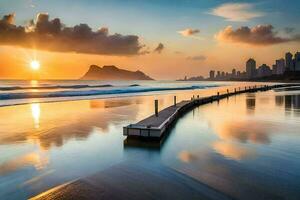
[77,93]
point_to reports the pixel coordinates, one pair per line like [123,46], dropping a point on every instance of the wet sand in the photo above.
[138,181]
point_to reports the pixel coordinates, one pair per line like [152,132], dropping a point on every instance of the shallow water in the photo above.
[246,147]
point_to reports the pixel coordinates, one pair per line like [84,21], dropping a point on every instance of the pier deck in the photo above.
[156,125]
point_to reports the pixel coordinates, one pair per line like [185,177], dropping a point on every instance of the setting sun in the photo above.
[35,65]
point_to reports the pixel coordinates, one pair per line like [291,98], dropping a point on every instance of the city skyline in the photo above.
[290,65]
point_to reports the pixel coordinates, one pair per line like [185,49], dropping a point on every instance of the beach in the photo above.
[243,147]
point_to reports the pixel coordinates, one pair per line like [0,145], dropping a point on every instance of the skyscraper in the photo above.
[297,61]
[274,69]
[212,74]
[233,73]
[264,70]
[289,64]
[222,74]
[251,68]
[218,74]
[280,66]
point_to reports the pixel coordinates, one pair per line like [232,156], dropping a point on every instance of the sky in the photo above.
[164,39]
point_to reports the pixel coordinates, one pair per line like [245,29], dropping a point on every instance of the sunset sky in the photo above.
[164,39]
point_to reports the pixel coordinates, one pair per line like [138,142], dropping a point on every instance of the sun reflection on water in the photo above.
[35,112]
[34,82]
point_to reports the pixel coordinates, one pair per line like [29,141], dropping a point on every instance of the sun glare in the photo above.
[35,65]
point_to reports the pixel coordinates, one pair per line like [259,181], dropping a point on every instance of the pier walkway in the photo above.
[156,125]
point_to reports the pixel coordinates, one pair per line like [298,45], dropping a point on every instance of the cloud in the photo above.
[239,12]
[159,48]
[45,34]
[197,58]
[189,32]
[258,35]
[178,52]
[9,19]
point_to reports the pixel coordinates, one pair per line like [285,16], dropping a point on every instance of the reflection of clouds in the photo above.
[244,131]
[232,151]
[186,156]
[62,121]
[113,103]
[36,159]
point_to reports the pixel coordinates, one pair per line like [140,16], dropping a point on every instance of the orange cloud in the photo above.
[52,35]
[197,58]
[159,48]
[258,35]
[189,32]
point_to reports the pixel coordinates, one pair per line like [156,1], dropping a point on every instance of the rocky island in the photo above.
[111,72]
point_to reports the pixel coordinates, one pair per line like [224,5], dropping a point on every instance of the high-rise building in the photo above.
[223,74]
[297,61]
[280,66]
[218,74]
[212,74]
[264,70]
[233,73]
[289,64]
[251,68]
[274,69]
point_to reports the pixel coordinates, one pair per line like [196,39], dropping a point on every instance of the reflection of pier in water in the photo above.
[250,103]
[146,143]
[155,126]
[290,102]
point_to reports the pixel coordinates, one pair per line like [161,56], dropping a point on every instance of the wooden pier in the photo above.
[157,124]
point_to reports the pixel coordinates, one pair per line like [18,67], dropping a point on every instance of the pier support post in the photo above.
[227,91]
[174,100]
[156,107]
[234,90]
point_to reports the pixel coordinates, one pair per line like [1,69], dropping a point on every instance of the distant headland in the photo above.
[111,72]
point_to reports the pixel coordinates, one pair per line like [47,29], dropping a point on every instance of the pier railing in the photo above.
[157,124]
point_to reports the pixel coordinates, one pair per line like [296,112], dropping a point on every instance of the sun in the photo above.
[35,65]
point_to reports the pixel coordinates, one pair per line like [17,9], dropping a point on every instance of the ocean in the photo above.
[13,92]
